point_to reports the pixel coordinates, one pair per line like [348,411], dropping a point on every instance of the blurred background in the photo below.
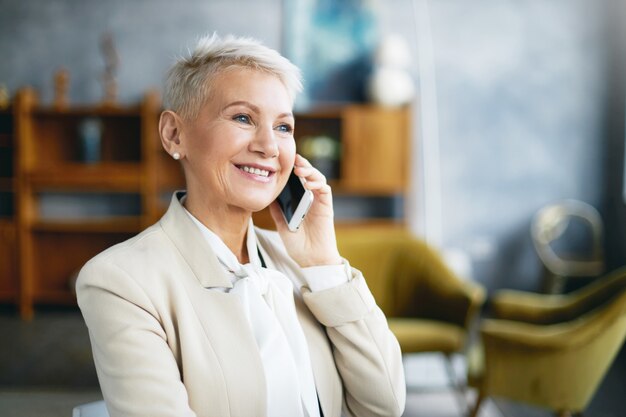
[512,106]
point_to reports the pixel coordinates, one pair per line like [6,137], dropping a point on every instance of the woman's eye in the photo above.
[284,128]
[242,118]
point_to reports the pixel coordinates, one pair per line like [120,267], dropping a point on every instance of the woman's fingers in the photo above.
[315,180]
[304,169]
[302,161]
[310,174]
[319,186]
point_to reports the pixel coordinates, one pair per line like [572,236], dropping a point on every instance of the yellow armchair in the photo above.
[429,309]
[552,351]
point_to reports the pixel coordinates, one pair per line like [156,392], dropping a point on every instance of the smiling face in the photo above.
[239,151]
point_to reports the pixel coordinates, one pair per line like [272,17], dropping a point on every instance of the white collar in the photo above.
[221,250]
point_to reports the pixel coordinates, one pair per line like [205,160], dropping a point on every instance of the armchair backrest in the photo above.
[405,275]
[374,253]
[425,287]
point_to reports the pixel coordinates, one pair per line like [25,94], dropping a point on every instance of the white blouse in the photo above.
[267,298]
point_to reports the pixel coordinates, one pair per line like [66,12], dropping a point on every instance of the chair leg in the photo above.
[568,413]
[479,401]
[459,387]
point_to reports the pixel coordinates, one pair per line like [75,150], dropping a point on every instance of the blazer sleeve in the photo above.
[366,352]
[138,373]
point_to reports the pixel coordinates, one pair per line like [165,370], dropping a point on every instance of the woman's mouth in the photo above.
[255,171]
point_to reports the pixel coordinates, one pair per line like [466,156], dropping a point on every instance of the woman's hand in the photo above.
[314,243]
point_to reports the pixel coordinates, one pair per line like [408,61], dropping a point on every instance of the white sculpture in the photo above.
[390,83]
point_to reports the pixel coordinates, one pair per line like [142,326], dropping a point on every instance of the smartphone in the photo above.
[294,201]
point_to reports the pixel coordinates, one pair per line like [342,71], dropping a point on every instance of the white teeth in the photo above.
[255,171]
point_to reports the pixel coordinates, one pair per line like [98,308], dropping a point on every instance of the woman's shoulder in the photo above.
[140,253]
[129,247]
[135,270]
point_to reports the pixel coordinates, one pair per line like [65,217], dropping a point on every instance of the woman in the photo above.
[202,314]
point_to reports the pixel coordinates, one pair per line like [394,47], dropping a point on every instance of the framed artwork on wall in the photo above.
[332,42]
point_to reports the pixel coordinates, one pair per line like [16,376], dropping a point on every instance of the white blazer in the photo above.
[165,345]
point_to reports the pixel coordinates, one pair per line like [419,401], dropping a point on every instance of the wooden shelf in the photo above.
[59,297]
[88,111]
[264,220]
[9,275]
[6,140]
[8,296]
[9,280]
[339,187]
[118,224]
[105,176]
[6,222]
[385,224]
[7,184]
[331,111]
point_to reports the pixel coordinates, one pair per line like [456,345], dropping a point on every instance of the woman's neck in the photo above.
[230,225]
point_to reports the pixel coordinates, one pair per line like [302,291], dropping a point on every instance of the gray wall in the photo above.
[530,97]
[39,36]
[615,136]
[530,103]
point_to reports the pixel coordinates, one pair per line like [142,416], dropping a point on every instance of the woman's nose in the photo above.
[265,142]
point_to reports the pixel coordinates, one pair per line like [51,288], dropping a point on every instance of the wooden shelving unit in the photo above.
[53,248]
[374,146]
[9,285]
[116,176]
[40,253]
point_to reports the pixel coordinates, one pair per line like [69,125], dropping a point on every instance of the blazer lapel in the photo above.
[233,349]
[192,246]
[232,344]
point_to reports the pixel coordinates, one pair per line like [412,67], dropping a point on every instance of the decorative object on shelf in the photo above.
[4,97]
[323,152]
[111,62]
[390,83]
[61,85]
[90,133]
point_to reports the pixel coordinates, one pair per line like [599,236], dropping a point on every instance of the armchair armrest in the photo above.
[518,335]
[549,309]
[529,307]
[569,334]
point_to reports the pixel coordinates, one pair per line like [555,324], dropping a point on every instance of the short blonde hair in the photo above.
[190,80]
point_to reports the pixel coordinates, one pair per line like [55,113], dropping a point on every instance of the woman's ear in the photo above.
[170,126]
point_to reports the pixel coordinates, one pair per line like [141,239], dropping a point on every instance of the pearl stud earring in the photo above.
[176,156]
